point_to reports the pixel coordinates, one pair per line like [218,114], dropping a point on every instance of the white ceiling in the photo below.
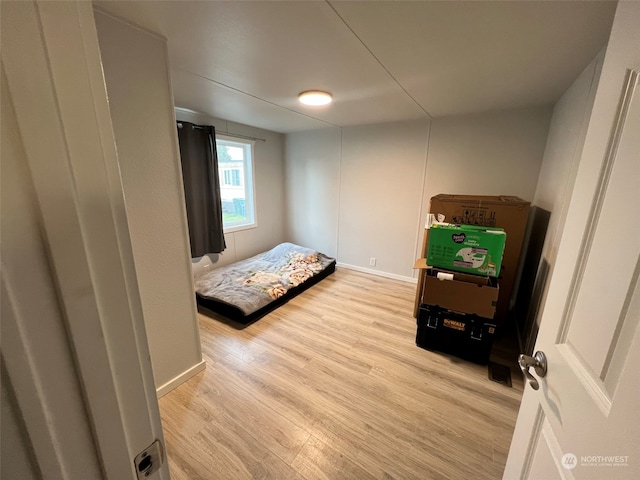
[246,61]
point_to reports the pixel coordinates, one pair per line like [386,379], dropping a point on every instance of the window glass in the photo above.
[235,166]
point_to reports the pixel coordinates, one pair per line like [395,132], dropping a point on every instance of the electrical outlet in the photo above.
[372,261]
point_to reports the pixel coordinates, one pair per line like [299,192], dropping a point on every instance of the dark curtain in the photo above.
[201,188]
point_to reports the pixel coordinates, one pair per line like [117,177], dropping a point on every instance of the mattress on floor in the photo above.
[246,290]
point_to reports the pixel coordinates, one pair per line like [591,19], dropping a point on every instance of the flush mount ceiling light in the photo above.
[315,97]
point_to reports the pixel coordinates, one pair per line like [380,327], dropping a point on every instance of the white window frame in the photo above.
[249,182]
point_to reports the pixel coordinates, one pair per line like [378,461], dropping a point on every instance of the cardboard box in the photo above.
[462,293]
[469,249]
[466,336]
[507,212]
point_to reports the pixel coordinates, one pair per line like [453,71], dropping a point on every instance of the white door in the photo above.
[584,421]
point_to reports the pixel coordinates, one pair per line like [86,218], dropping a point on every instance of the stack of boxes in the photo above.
[468,272]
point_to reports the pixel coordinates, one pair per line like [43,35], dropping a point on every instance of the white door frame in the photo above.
[51,59]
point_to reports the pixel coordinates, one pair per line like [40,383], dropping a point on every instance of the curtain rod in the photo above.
[236,135]
[199,127]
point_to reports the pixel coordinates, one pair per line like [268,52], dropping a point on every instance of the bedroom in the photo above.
[347,215]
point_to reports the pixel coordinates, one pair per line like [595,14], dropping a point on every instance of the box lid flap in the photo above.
[421,263]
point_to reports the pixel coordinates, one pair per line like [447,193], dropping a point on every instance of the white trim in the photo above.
[339,193]
[240,228]
[101,10]
[534,424]
[421,208]
[183,377]
[556,450]
[631,81]
[593,385]
[378,273]
[30,393]
[54,74]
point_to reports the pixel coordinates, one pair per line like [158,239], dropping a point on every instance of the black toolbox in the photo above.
[466,336]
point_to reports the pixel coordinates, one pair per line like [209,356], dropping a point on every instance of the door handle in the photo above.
[539,364]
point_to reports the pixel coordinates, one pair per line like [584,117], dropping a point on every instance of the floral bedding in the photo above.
[252,284]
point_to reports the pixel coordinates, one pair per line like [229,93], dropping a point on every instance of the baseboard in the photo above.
[402,278]
[180,379]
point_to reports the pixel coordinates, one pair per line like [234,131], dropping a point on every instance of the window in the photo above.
[235,165]
[232,177]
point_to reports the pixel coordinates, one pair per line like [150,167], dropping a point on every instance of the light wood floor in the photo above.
[332,386]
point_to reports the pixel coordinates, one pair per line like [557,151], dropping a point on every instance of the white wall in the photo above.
[135,65]
[557,176]
[496,153]
[354,193]
[563,149]
[269,193]
[387,173]
[599,114]
[313,188]
[381,180]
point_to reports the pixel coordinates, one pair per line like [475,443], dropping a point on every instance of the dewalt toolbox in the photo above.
[464,335]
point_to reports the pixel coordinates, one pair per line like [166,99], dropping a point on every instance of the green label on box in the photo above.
[466,248]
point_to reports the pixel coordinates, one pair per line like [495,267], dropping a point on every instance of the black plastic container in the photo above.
[465,336]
